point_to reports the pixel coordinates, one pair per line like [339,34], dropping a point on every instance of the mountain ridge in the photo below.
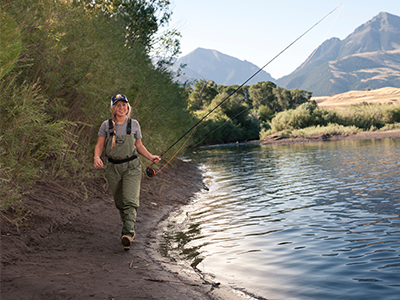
[221,68]
[366,58]
[369,57]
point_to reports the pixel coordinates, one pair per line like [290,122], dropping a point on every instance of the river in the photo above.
[300,221]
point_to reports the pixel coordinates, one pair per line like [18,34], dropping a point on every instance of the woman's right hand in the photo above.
[98,163]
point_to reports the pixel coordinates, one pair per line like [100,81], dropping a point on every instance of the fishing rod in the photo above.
[151,172]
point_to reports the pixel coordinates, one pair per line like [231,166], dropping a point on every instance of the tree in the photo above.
[204,92]
[142,20]
[299,97]
[266,114]
[261,94]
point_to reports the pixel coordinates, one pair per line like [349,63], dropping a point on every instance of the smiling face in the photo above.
[121,109]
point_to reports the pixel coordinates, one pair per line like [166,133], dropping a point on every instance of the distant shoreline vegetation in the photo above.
[243,115]
[263,109]
[309,120]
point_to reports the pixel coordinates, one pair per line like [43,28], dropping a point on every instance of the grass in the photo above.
[312,131]
[330,130]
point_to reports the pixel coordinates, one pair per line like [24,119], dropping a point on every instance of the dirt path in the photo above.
[70,249]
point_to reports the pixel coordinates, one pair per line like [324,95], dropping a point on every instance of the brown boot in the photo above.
[127,241]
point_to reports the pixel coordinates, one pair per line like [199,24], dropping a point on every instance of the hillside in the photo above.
[221,68]
[379,96]
[368,58]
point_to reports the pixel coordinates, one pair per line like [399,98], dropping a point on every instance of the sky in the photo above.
[257,30]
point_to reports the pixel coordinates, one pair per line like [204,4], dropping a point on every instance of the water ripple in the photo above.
[296,221]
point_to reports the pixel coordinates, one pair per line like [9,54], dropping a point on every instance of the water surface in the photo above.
[302,221]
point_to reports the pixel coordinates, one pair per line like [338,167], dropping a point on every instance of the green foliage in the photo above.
[242,110]
[308,115]
[57,91]
[390,126]
[10,43]
[265,112]
[29,140]
[329,130]
[364,116]
[305,115]
[262,94]
[204,92]
[142,20]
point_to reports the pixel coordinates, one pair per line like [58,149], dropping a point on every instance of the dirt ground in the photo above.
[69,246]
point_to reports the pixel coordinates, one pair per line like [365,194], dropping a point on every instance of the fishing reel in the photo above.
[150,172]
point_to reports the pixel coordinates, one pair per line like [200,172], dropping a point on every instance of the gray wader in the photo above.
[124,179]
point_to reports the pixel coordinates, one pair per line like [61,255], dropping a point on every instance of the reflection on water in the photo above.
[303,221]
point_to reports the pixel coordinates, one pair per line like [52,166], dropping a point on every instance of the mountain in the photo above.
[367,58]
[221,68]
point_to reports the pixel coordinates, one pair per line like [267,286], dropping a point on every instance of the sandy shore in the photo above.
[69,246]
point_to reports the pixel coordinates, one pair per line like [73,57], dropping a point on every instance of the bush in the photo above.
[29,140]
[308,115]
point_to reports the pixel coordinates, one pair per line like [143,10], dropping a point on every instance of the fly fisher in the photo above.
[121,139]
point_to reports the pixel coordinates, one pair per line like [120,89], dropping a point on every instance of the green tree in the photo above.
[142,20]
[266,114]
[262,94]
[203,94]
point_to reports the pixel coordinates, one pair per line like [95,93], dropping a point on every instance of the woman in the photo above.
[122,139]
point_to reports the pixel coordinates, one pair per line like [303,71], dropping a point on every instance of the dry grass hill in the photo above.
[382,95]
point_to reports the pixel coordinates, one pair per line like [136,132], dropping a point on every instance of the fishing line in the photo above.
[287,79]
[194,146]
[151,172]
[191,147]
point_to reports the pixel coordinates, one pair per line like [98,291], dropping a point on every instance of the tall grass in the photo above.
[63,64]
[31,143]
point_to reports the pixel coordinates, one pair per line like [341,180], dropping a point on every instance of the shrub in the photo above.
[29,139]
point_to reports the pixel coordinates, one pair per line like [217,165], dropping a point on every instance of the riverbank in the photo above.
[389,134]
[69,246]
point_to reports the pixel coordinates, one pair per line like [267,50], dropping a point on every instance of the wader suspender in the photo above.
[128,127]
[128,132]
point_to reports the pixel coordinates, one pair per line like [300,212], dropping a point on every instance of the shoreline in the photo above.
[69,248]
[389,134]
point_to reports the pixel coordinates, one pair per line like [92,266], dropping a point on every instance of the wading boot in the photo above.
[127,241]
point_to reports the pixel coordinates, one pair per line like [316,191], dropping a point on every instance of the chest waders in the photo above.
[123,173]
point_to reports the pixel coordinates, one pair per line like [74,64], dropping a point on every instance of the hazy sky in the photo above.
[257,30]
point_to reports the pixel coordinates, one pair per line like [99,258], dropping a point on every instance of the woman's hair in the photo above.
[113,109]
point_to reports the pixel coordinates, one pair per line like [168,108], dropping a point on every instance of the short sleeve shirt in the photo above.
[121,129]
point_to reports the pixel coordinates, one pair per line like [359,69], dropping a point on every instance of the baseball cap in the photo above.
[118,97]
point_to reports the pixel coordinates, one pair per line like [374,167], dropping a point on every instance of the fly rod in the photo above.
[151,172]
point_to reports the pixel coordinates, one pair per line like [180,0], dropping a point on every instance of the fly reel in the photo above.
[150,172]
